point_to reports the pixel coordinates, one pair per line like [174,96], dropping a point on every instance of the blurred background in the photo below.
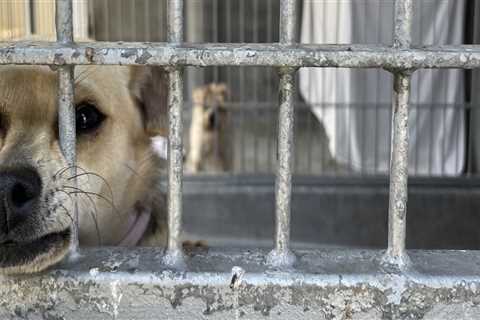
[342,125]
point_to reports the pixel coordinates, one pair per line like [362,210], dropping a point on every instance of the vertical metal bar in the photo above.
[403,23]
[174,255]
[397,208]
[66,107]
[64,21]
[281,254]
[175,21]
[288,21]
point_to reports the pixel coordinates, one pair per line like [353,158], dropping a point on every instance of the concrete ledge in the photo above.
[126,284]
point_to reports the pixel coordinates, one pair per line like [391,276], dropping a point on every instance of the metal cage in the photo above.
[282,284]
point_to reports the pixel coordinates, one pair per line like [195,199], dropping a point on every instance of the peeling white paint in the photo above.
[117,297]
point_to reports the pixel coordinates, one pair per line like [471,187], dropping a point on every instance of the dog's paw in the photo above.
[192,247]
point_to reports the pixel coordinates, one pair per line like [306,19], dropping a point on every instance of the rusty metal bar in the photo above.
[281,254]
[66,107]
[397,208]
[174,253]
[270,55]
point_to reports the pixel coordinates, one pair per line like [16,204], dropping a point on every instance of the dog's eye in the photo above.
[88,118]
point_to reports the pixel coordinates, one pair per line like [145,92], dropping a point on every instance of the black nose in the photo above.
[20,190]
[212,120]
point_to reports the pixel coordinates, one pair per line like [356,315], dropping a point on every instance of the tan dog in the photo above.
[117,169]
[209,151]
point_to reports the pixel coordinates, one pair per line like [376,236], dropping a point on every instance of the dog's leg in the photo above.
[194,157]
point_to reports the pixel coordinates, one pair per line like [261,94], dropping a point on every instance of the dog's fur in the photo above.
[209,150]
[116,172]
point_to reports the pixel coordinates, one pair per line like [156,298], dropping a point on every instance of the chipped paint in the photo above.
[116,297]
[323,285]
[235,54]
[174,256]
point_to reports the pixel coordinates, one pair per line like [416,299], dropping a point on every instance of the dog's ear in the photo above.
[149,88]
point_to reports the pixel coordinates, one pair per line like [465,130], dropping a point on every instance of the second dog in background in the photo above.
[209,150]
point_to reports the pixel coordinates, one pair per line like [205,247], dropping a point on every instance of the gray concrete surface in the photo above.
[232,284]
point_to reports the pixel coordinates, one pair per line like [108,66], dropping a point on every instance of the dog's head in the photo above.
[210,102]
[115,163]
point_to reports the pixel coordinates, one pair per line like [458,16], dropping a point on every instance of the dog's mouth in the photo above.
[34,256]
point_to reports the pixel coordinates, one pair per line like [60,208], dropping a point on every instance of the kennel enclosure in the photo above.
[279,283]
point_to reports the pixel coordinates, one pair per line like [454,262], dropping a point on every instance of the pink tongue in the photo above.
[138,222]
[160,146]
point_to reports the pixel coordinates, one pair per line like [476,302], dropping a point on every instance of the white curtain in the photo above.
[354,104]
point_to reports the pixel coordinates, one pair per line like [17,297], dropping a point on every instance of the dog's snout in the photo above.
[19,192]
[212,120]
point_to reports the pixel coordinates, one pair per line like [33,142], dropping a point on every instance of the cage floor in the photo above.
[234,211]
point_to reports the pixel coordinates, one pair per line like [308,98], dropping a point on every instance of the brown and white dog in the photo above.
[209,150]
[117,168]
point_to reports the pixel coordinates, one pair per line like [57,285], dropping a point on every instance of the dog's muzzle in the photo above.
[24,246]
[20,190]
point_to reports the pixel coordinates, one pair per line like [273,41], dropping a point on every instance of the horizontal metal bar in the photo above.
[164,54]
[324,285]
